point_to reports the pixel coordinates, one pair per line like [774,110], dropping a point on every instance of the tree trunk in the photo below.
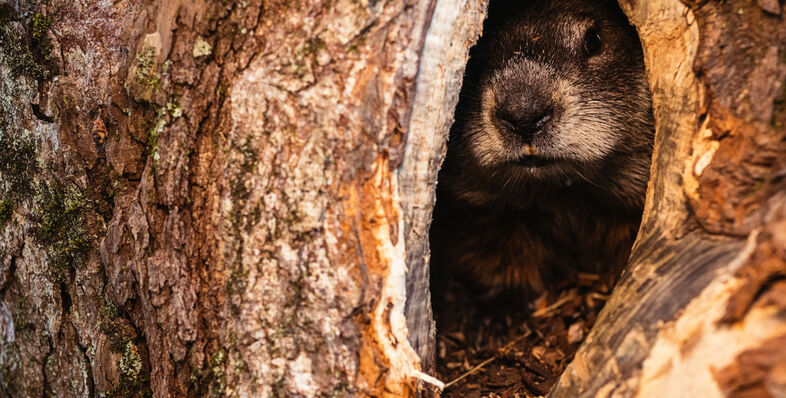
[699,311]
[233,199]
[210,198]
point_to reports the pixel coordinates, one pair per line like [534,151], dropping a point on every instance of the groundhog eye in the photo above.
[592,42]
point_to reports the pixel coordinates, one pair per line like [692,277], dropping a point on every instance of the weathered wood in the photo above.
[696,302]
[454,28]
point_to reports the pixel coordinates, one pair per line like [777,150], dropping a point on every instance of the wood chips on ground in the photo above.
[508,346]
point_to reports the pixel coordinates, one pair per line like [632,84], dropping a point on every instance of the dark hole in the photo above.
[530,233]
[65,298]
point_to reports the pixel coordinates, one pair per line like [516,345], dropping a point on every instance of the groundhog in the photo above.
[549,156]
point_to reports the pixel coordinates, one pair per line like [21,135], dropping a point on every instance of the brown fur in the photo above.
[549,157]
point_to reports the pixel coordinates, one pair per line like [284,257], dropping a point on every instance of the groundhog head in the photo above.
[555,93]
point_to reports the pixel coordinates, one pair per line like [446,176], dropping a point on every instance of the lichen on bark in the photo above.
[25,44]
[194,199]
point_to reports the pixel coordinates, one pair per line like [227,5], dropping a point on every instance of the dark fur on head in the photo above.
[549,157]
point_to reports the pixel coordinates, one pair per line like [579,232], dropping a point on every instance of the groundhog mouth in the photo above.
[535,161]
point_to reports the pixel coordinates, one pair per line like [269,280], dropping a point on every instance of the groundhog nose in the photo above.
[525,122]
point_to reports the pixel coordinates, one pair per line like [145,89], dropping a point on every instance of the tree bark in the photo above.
[233,198]
[212,198]
[699,311]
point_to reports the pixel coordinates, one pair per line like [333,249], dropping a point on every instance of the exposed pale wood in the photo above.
[238,229]
[455,26]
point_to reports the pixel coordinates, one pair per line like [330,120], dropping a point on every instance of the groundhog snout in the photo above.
[524,113]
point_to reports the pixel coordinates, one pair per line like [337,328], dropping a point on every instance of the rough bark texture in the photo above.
[699,310]
[202,198]
[454,28]
[222,198]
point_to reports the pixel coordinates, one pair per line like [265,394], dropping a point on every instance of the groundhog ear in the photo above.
[593,44]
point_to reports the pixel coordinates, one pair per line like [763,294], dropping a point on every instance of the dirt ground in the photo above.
[509,346]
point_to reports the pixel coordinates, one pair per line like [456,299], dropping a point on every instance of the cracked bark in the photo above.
[229,195]
[221,197]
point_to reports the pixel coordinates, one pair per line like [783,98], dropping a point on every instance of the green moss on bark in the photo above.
[26,47]
[134,378]
[152,136]
[18,164]
[217,362]
[6,210]
[58,213]
[134,381]
[131,367]
[146,69]
[18,167]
